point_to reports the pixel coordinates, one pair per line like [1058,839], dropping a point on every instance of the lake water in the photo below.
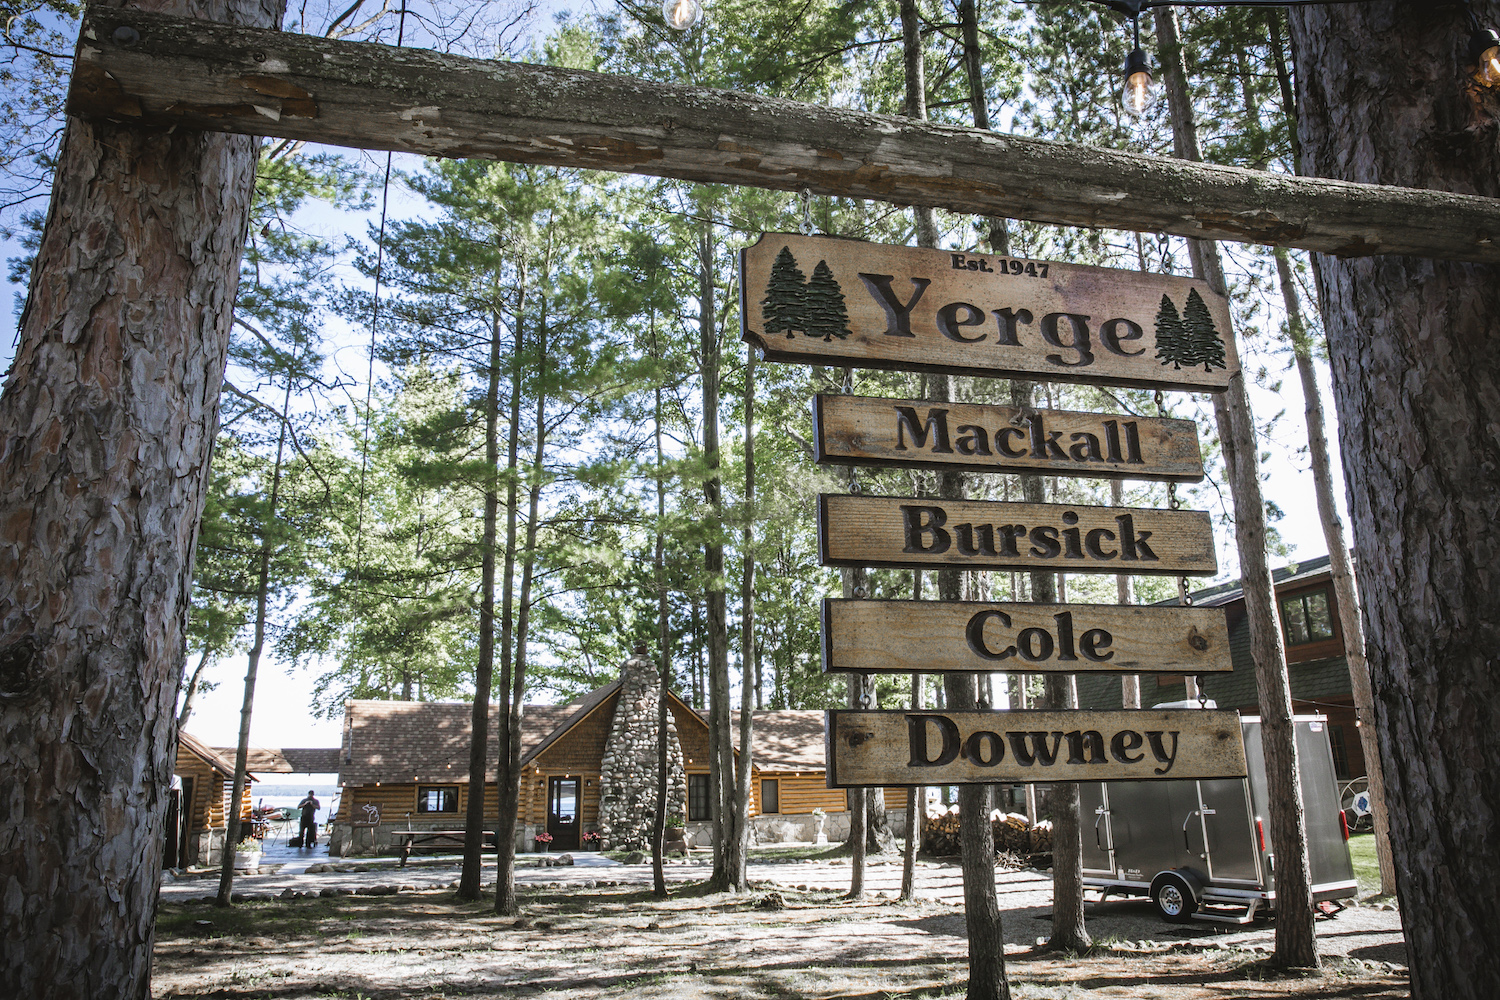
[264,793]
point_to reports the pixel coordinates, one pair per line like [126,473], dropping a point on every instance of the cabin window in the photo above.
[698,797]
[1306,618]
[437,800]
[770,795]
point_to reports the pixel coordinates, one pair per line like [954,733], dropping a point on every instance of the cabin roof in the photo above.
[1284,578]
[288,760]
[785,739]
[213,758]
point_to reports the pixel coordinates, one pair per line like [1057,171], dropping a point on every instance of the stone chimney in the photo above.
[627,778]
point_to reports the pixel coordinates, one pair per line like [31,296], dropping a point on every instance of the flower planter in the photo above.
[247,859]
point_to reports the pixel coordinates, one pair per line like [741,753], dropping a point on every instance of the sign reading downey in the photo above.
[969,437]
[1018,747]
[932,637]
[822,300]
[986,534]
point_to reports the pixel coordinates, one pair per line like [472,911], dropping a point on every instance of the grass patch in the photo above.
[1366,865]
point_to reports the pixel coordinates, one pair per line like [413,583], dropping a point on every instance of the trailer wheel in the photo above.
[1175,897]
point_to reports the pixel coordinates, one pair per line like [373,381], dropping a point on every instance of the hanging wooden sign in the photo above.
[985,534]
[932,637]
[821,300]
[1021,747]
[909,433]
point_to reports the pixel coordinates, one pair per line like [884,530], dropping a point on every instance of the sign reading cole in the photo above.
[822,300]
[1022,746]
[937,636]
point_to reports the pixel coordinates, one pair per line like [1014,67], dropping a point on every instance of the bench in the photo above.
[437,840]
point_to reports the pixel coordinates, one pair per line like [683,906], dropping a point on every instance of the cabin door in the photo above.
[562,812]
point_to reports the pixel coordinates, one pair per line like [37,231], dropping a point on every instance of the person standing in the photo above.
[308,833]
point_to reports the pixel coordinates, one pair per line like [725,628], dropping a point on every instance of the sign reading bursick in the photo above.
[986,534]
[822,300]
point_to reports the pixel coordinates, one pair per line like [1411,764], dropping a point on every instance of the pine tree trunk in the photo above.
[659,828]
[1068,929]
[1341,567]
[247,705]
[721,750]
[854,584]
[107,420]
[186,711]
[1416,378]
[749,674]
[1130,684]
[470,880]
[507,764]
[1296,943]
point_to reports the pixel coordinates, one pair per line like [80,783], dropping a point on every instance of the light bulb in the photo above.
[682,14]
[1140,91]
[1484,49]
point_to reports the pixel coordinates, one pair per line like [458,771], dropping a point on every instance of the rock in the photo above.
[237,897]
[634,858]
[771,901]
[590,884]
[288,894]
[564,859]
[377,890]
[407,887]
[328,893]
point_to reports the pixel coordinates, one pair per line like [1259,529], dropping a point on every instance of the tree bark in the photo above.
[659,566]
[1416,378]
[1296,943]
[1341,567]
[107,420]
[855,582]
[368,96]
[471,878]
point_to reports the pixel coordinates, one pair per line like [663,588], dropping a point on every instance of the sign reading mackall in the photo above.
[970,437]
[821,300]
[958,748]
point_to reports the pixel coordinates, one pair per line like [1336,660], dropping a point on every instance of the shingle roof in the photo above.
[289,760]
[213,758]
[406,741]
[401,741]
[785,739]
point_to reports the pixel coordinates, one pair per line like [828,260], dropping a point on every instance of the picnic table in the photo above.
[436,840]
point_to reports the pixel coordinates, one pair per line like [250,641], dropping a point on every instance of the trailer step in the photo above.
[1227,918]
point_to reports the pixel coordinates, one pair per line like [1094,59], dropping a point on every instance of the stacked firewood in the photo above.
[1012,833]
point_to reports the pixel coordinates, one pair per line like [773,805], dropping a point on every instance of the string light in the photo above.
[682,14]
[1140,91]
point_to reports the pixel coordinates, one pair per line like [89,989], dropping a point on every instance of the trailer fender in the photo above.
[1177,895]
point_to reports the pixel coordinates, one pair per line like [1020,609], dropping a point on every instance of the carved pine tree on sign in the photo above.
[1206,344]
[786,296]
[1174,345]
[826,314]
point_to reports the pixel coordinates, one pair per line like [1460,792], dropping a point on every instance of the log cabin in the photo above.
[588,767]
[196,821]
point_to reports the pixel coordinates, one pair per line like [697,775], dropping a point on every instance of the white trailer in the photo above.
[1199,849]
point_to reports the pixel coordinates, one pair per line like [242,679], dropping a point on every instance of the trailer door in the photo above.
[1093,820]
[1229,830]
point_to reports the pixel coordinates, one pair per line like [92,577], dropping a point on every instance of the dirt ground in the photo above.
[598,933]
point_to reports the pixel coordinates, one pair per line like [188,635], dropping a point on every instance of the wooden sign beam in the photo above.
[1021,747]
[984,534]
[933,637]
[913,434]
[161,71]
[827,301]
